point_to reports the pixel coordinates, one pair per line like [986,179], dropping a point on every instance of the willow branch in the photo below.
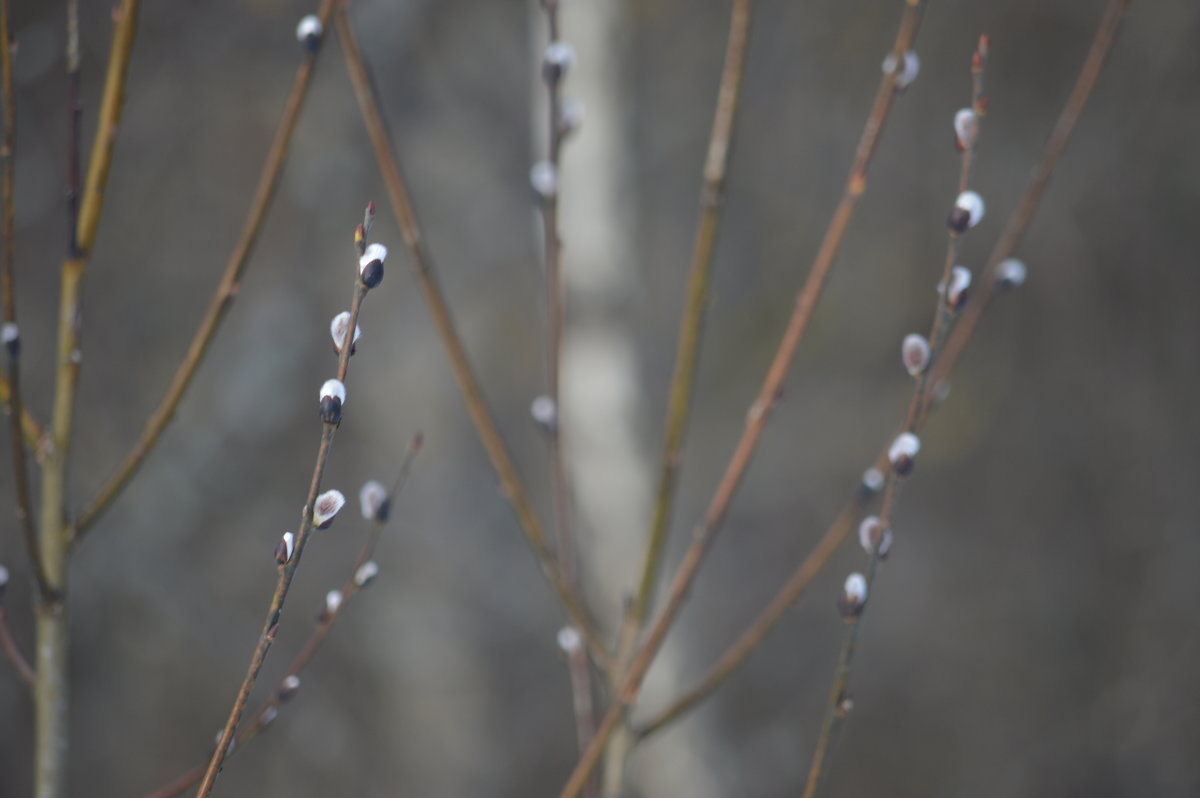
[705,532]
[51,693]
[221,301]
[13,652]
[944,315]
[264,715]
[1018,223]
[287,570]
[716,165]
[14,405]
[443,321]
[758,630]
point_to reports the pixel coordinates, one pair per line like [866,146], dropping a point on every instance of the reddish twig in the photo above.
[291,562]
[468,383]
[359,578]
[756,420]
[221,301]
[13,651]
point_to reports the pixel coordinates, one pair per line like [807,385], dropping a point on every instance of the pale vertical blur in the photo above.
[1034,632]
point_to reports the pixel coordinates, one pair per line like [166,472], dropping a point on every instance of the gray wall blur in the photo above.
[1032,633]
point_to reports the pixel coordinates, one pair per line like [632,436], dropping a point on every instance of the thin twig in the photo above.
[806,300]
[795,587]
[944,316]
[578,668]
[52,689]
[750,639]
[263,716]
[13,652]
[1018,222]
[287,570]
[222,299]
[15,407]
[468,384]
[691,326]
[35,435]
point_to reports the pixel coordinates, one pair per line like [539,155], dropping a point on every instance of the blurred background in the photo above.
[1034,630]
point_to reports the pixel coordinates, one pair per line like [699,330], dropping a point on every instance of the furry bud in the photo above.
[1010,274]
[337,329]
[967,212]
[373,500]
[903,453]
[872,480]
[544,179]
[370,265]
[366,573]
[854,596]
[327,505]
[908,70]
[874,537]
[570,116]
[285,549]
[268,716]
[288,687]
[309,31]
[333,602]
[557,61]
[12,339]
[966,129]
[915,354]
[569,640]
[544,411]
[956,293]
[333,396]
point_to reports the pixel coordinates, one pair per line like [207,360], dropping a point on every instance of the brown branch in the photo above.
[1018,223]
[758,630]
[13,651]
[288,568]
[264,715]
[756,420]
[716,165]
[578,668]
[15,407]
[468,384]
[222,299]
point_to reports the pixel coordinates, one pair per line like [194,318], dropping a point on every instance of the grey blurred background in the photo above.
[1033,632]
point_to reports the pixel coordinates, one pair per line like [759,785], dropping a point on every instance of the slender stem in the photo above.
[1018,223]
[221,301]
[286,572]
[578,669]
[13,652]
[15,406]
[838,705]
[691,330]
[468,384]
[265,713]
[35,435]
[51,694]
[806,300]
[737,653]
[716,165]
[750,639]
[556,312]
[943,318]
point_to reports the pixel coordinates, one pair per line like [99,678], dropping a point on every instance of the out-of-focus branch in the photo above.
[468,384]
[806,300]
